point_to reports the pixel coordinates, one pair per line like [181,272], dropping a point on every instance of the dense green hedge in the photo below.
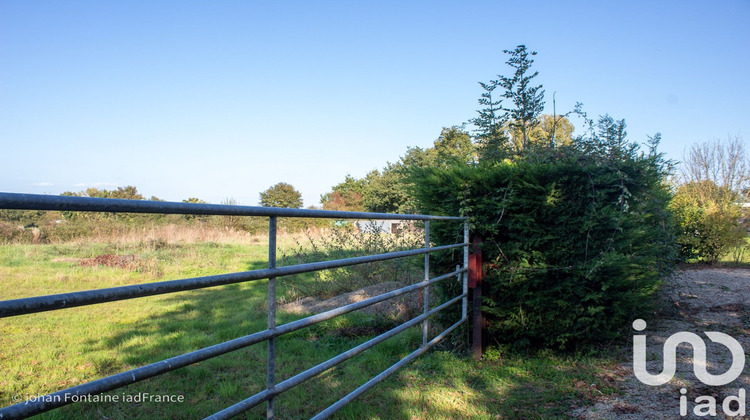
[574,242]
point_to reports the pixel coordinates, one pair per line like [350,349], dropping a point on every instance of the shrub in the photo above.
[708,219]
[10,233]
[575,238]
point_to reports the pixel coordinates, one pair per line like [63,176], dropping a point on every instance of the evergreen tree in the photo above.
[528,100]
[496,123]
[490,125]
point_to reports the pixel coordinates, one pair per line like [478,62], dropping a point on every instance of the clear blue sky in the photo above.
[223,99]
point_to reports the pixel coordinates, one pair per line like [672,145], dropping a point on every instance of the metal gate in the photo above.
[60,398]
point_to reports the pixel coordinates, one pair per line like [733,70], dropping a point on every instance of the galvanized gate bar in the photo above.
[115,205]
[426,294]
[69,300]
[57,399]
[271,359]
[295,380]
[465,290]
[324,316]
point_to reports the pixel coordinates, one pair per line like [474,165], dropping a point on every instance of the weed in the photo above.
[348,241]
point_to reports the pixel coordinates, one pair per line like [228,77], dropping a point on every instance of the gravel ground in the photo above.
[695,300]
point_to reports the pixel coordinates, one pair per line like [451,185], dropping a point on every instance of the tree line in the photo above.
[60,226]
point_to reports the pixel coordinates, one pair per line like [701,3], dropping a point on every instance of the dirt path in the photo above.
[695,300]
[403,307]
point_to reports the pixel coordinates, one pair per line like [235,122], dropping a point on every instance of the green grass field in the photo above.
[46,352]
[739,256]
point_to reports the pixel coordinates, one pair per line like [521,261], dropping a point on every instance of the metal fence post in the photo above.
[465,301]
[426,302]
[271,366]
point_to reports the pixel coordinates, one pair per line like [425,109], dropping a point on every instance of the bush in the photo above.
[10,233]
[708,219]
[575,240]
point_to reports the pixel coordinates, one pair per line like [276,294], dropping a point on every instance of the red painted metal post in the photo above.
[475,284]
[475,270]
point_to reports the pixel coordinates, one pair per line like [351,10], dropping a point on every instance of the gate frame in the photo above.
[23,306]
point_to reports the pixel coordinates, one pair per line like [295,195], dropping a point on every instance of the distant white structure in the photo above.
[378,226]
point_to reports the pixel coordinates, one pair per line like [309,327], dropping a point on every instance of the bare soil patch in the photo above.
[401,307]
[109,260]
